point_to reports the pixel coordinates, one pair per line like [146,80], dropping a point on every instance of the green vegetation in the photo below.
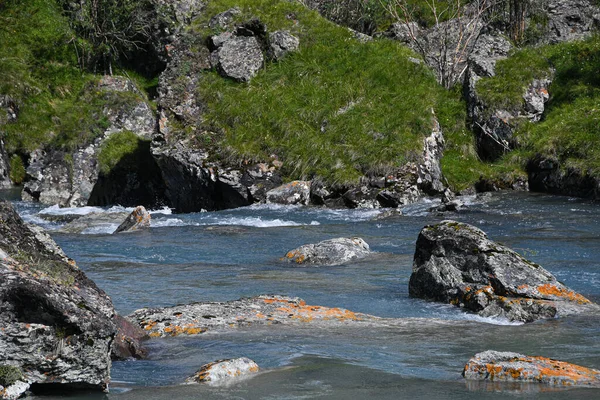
[56,270]
[570,130]
[9,374]
[338,108]
[115,148]
[17,169]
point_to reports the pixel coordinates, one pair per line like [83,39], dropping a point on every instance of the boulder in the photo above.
[197,318]
[4,168]
[514,367]
[295,192]
[96,222]
[223,371]
[547,175]
[224,19]
[281,43]
[138,219]
[330,252]
[128,340]
[456,263]
[239,58]
[57,325]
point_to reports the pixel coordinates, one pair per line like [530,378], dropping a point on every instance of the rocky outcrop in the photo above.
[514,367]
[70,178]
[330,252]
[456,263]
[57,325]
[570,20]
[295,192]
[4,171]
[546,175]
[197,318]
[137,220]
[8,113]
[128,340]
[96,222]
[224,371]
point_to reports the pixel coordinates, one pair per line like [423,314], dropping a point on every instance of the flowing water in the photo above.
[226,255]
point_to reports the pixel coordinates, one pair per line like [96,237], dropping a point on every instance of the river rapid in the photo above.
[226,255]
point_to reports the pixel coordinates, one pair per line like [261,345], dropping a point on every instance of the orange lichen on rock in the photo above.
[549,289]
[308,313]
[565,372]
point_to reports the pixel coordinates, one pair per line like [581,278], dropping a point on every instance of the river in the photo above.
[226,255]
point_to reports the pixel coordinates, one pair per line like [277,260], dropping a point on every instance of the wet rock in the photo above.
[138,219]
[296,192]
[514,367]
[239,58]
[361,197]
[224,371]
[547,175]
[128,340]
[14,390]
[330,252]
[197,318]
[101,222]
[57,325]
[456,263]
[281,43]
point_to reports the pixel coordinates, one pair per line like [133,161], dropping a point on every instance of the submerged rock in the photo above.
[514,367]
[100,222]
[456,263]
[138,219]
[57,325]
[197,318]
[224,371]
[128,340]
[330,252]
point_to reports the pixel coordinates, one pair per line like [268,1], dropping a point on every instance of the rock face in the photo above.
[138,219]
[8,113]
[197,318]
[238,58]
[330,252]
[546,175]
[570,20]
[57,325]
[70,178]
[4,171]
[456,263]
[223,371]
[514,367]
[128,341]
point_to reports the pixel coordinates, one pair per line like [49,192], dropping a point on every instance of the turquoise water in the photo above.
[217,256]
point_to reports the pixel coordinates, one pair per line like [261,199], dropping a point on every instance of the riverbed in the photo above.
[227,255]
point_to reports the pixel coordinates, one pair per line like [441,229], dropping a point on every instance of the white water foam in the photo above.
[104,229]
[256,222]
[57,210]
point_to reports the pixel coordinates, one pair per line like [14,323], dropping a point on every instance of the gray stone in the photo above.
[296,192]
[239,58]
[137,220]
[429,169]
[404,32]
[223,372]
[224,19]
[330,252]
[456,263]
[105,222]
[514,367]
[57,325]
[4,167]
[281,43]
[14,391]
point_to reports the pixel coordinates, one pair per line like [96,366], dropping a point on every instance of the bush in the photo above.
[9,374]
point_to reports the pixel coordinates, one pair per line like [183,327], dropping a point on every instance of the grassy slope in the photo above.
[570,130]
[293,108]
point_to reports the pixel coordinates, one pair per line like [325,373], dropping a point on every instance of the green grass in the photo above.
[337,108]
[9,374]
[115,148]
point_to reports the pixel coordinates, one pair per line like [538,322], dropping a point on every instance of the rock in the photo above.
[128,340]
[4,167]
[239,58]
[14,390]
[197,318]
[138,219]
[223,371]
[100,222]
[456,263]
[296,192]
[547,175]
[330,252]
[429,169]
[514,367]
[69,178]
[362,196]
[404,32]
[569,20]
[224,19]
[281,43]
[57,325]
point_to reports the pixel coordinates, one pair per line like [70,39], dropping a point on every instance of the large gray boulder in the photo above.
[9,111]
[281,43]
[137,220]
[330,252]
[295,192]
[239,58]
[57,325]
[456,263]
[514,367]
